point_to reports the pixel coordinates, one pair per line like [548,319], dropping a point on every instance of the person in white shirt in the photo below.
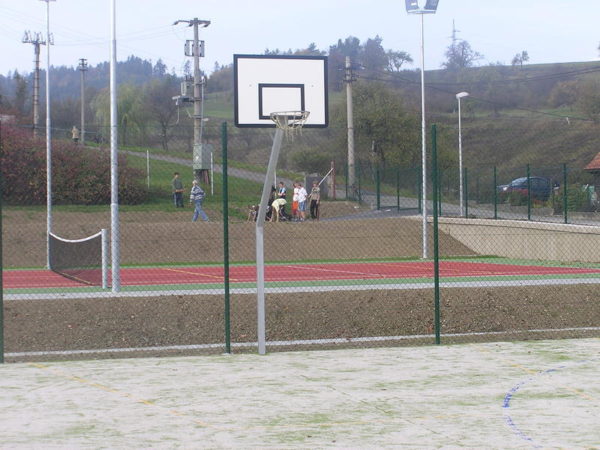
[302,195]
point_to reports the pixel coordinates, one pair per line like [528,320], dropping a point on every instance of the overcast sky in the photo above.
[549,30]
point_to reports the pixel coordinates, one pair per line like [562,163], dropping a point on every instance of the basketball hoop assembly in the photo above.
[291,122]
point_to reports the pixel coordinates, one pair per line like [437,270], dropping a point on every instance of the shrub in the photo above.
[79,175]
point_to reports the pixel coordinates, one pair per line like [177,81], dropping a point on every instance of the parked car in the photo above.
[541,188]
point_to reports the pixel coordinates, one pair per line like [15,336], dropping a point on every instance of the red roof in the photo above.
[594,164]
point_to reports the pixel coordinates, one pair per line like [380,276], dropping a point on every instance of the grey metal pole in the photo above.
[48,141]
[350,114]
[114,172]
[423,140]
[104,258]
[260,251]
[460,163]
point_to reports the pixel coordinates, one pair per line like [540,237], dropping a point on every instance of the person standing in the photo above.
[315,200]
[197,197]
[295,216]
[301,202]
[282,191]
[177,190]
[75,134]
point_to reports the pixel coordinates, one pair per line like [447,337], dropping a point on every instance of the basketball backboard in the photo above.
[264,84]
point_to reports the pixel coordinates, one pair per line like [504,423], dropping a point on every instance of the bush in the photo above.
[79,176]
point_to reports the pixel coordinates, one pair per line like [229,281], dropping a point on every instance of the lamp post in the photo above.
[460,165]
[48,139]
[415,7]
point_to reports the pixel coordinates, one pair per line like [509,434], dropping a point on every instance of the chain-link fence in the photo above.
[349,273]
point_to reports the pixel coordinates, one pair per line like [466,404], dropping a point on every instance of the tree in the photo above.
[20,93]
[397,59]
[380,116]
[460,55]
[373,57]
[157,102]
[520,58]
[337,60]
[589,99]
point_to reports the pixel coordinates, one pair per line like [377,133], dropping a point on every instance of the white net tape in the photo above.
[291,122]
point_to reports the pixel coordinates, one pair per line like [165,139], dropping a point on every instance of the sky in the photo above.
[549,30]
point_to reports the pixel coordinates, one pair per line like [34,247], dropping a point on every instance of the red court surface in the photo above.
[28,279]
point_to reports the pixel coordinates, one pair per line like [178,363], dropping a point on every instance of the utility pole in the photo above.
[83,67]
[195,48]
[349,79]
[37,40]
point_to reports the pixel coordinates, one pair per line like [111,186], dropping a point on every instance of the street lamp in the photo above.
[416,7]
[48,139]
[460,167]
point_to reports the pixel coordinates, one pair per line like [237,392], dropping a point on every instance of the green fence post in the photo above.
[495,193]
[565,198]
[436,260]
[398,189]
[378,187]
[528,192]
[226,239]
[1,266]
[466,193]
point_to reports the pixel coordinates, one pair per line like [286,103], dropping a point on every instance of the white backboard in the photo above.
[264,84]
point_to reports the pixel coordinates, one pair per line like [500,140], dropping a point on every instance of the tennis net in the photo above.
[83,260]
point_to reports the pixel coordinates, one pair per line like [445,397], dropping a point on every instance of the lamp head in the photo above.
[462,94]
[421,6]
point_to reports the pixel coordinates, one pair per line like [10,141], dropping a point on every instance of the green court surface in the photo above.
[542,394]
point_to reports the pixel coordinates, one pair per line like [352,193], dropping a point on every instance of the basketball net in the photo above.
[291,122]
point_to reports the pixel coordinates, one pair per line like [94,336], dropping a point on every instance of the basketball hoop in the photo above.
[291,122]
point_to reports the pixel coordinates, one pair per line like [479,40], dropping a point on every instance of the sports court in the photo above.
[540,394]
[295,274]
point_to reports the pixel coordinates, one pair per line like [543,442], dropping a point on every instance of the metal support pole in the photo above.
[495,193]
[226,238]
[423,141]
[528,192]
[260,251]
[466,200]
[436,259]
[565,198]
[378,187]
[48,141]
[104,240]
[114,155]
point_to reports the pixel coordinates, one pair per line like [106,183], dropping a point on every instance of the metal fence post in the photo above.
[565,198]
[436,261]
[528,192]
[398,188]
[226,239]
[466,192]
[420,191]
[495,193]
[378,187]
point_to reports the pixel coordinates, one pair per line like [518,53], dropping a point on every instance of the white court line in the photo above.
[289,343]
[300,289]
[336,271]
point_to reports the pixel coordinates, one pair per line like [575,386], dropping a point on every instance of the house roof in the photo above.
[594,164]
